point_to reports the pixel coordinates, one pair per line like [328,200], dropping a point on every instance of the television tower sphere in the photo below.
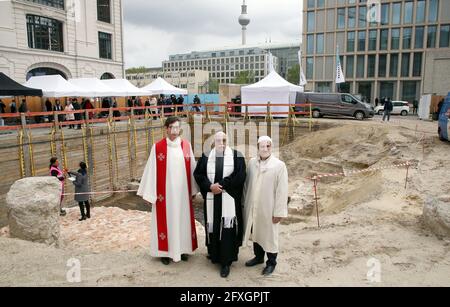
[244,20]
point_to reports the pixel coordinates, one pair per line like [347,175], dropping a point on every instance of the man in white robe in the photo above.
[265,204]
[168,185]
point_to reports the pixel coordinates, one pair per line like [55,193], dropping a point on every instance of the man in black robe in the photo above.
[221,176]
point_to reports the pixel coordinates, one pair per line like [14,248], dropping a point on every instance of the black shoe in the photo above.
[225,271]
[165,260]
[208,257]
[62,212]
[88,216]
[184,257]
[268,270]
[82,218]
[254,262]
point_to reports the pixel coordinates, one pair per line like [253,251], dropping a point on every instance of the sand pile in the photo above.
[340,149]
[109,229]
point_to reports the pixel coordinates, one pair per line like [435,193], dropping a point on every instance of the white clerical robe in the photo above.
[177,199]
[265,196]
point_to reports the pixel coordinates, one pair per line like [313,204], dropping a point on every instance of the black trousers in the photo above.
[260,253]
[82,205]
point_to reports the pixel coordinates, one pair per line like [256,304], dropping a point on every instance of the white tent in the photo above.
[161,86]
[95,87]
[274,89]
[55,86]
[125,88]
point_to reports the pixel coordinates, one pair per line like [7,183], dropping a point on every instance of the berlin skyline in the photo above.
[153,30]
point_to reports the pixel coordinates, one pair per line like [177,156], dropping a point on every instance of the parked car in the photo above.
[335,104]
[444,120]
[400,108]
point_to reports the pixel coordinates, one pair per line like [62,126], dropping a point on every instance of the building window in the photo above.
[310,44]
[393,71]
[105,45]
[309,68]
[396,13]
[382,61]
[104,10]
[350,41]
[408,14]
[418,40]
[373,40]
[433,10]
[323,87]
[371,66]
[44,33]
[349,66]
[385,14]
[311,21]
[320,3]
[320,45]
[444,37]
[362,16]
[420,11]
[311,4]
[409,91]
[341,19]
[361,40]
[431,37]
[407,36]
[417,64]
[360,63]
[384,36]
[405,64]
[351,17]
[53,3]
[395,39]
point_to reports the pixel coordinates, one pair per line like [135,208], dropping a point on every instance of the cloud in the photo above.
[156,29]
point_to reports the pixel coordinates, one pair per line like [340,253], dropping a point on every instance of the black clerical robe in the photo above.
[223,243]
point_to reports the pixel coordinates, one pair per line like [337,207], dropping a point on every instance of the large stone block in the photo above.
[33,209]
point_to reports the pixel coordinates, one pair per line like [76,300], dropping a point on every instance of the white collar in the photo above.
[174,143]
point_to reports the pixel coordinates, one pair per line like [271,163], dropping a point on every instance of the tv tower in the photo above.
[244,20]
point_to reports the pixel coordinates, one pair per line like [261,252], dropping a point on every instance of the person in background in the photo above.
[415,106]
[60,175]
[49,108]
[2,111]
[180,101]
[388,107]
[69,117]
[13,107]
[58,108]
[77,107]
[196,102]
[82,190]
[23,107]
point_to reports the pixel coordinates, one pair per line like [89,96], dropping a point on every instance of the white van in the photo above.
[400,108]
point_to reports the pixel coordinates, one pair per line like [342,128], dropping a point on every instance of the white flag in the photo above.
[303,81]
[339,74]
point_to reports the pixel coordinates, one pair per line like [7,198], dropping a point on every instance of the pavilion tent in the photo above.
[9,87]
[55,86]
[274,89]
[161,86]
[95,87]
[125,88]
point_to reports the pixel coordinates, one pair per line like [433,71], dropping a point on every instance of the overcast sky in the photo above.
[154,29]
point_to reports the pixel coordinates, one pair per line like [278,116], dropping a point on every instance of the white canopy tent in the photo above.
[161,86]
[95,87]
[125,88]
[274,89]
[55,86]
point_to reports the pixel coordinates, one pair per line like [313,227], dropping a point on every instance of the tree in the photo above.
[137,70]
[293,75]
[213,86]
[245,77]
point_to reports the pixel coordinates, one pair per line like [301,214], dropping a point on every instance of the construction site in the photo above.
[358,192]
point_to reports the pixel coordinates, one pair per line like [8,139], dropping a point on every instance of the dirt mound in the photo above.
[339,149]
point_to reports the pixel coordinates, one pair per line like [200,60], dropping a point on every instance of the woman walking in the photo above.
[81,191]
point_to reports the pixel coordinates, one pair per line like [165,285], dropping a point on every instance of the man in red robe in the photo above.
[168,184]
